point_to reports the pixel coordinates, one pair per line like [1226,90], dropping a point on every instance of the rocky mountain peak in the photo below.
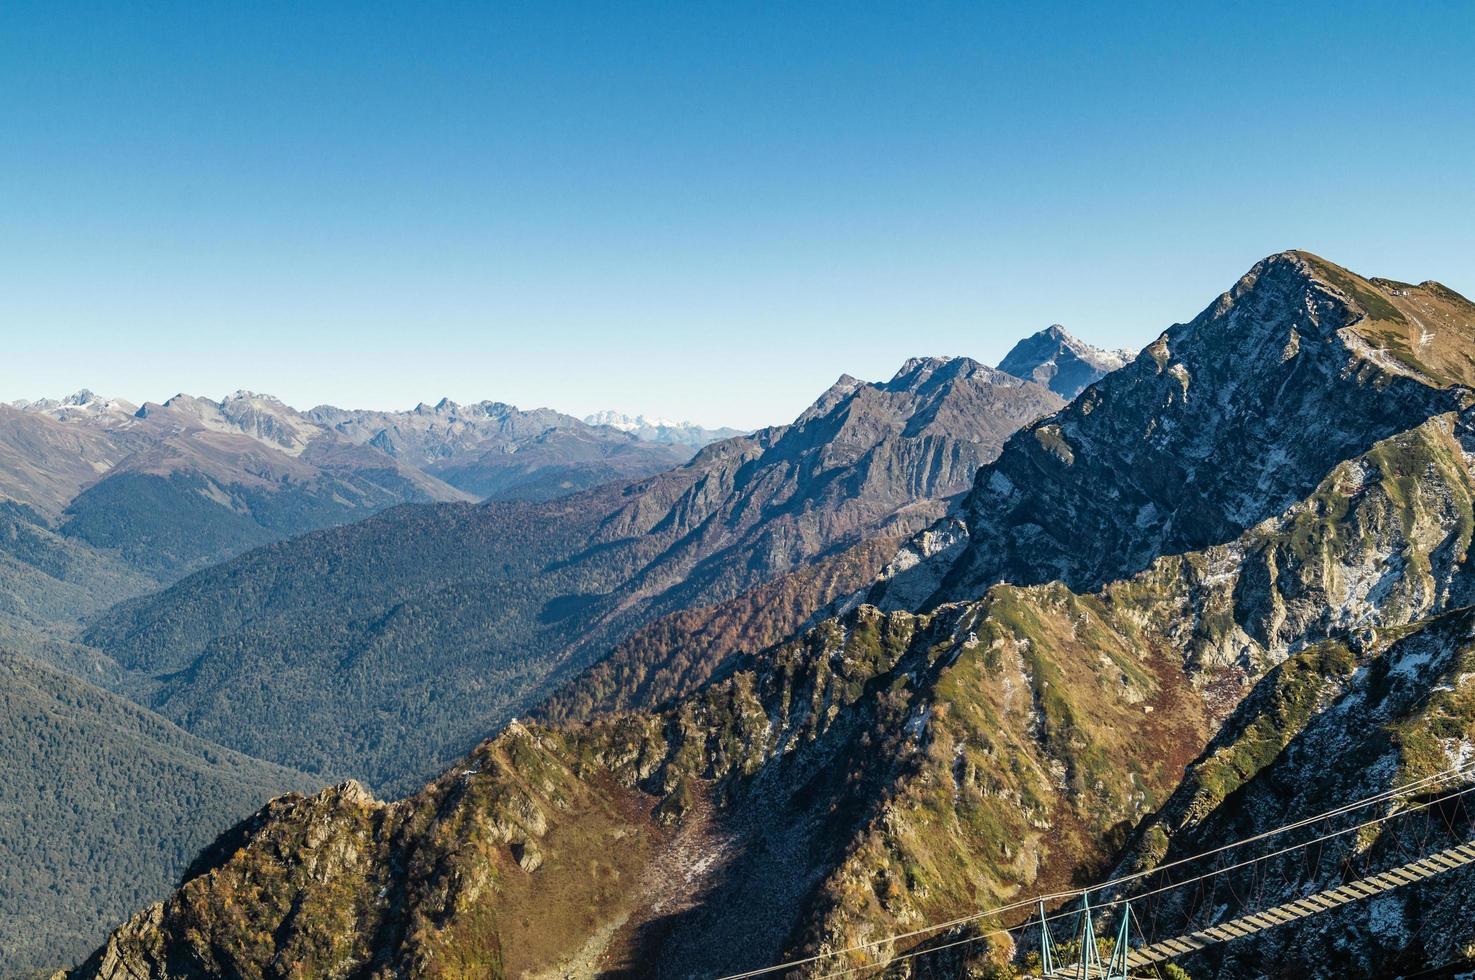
[1061,362]
[264,418]
[843,388]
[920,372]
[923,365]
[1224,421]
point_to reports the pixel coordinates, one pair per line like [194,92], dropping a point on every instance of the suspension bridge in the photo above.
[1122,959]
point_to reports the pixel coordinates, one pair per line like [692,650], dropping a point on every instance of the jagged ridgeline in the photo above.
[388,648]
[1250,592]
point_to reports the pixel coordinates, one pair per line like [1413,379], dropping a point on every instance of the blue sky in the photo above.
[706,210]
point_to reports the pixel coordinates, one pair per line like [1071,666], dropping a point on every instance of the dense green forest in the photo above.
[46,578]
[103,804]
[677,653]
[168,525]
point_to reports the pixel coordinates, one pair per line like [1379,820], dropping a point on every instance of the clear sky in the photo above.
[706,210]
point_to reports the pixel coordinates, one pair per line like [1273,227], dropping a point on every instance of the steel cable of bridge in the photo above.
[1460,770]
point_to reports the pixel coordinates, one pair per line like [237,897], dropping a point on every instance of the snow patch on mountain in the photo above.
[81,406]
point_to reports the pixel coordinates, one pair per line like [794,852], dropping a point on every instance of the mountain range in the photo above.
[103,500]
[399,641]
[791,509]
[1224,588]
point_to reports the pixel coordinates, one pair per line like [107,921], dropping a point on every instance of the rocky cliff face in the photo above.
[1218,424]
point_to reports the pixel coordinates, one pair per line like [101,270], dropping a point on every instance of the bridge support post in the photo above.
[1116,967]
[1047,945]
[1089,967]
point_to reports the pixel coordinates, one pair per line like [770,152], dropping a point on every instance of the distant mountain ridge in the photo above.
[495,451]
[661,430]
[171,487]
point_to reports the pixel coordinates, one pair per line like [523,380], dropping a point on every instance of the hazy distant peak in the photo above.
[1053,357]
[81,405]
[658,429]
[264,418]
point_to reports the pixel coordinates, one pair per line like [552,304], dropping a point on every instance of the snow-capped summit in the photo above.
[656,429]
[80,406]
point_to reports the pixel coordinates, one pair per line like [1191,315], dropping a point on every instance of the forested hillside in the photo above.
[46,578]
[103,805]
